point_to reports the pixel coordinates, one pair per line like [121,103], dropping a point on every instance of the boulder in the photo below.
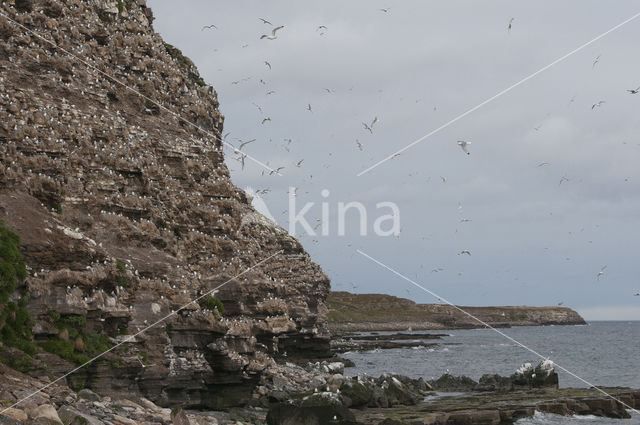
[87,394]
[15,414]
[45,414]
[450,383]
[178,417]
[494,383]
[355,393]
[320,408]
[71,416]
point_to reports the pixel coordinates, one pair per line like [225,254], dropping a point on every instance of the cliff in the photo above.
[127,213]
[365,312]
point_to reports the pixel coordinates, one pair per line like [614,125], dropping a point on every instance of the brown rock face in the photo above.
[127,213]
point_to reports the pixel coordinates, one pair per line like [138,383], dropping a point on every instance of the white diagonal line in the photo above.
[492,98]
[131,337]
[142,95]
[491,327]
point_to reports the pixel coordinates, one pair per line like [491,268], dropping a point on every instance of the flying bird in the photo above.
[385,10]
[273,35]
[264,21]
[465,251]
[510,22]
[464,146]
[206,27]
[543,164]
[562,180]
[309,108]
[299,163]
[322,29]
[370,126]
[358,144]
[276,171]
[601,273]
[637,295]
[597,105]
[242,144]
[596,61]
[268,64]
[257,106]
[265,120]
[241,159]
[634,91]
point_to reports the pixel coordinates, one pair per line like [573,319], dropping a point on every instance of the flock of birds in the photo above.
[369,126]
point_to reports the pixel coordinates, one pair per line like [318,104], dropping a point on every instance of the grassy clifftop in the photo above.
[351,312]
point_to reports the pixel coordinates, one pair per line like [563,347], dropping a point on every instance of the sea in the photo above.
[600,353]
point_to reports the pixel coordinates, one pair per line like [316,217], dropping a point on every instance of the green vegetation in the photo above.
[23,364]
[15,321]
[120,6]
[177,230]
[176,54]
[75,326]
[211,303]
[57,208]
[122,278]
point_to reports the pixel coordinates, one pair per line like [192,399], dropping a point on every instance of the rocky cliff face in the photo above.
[359,312]
[127,212]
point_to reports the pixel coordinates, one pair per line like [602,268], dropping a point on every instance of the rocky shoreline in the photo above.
[380,312]
[319,393]
[375,341]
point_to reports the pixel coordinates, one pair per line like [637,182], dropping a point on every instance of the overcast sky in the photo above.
[532,240]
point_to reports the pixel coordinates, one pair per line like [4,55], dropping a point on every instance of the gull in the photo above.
[276,171]
[510,22]
[208,27]
[328,90]
[637,295]
[321,28]
[266,119]
[560,303]
[443,178]
[309,108]
[257,106]
[299,163]
[262,191]
[370,126]
[242,144]
[562,180]
[385,10]
[596,61]
[465,220]
[634,91]
[358,144]
[464,146]
[241,159]
[268,64]
[465,251]
[264,21]
[270,92]
[543,164]
[597,105]
[601,273]
[273,35]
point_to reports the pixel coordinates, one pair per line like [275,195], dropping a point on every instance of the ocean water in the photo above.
[601,353]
